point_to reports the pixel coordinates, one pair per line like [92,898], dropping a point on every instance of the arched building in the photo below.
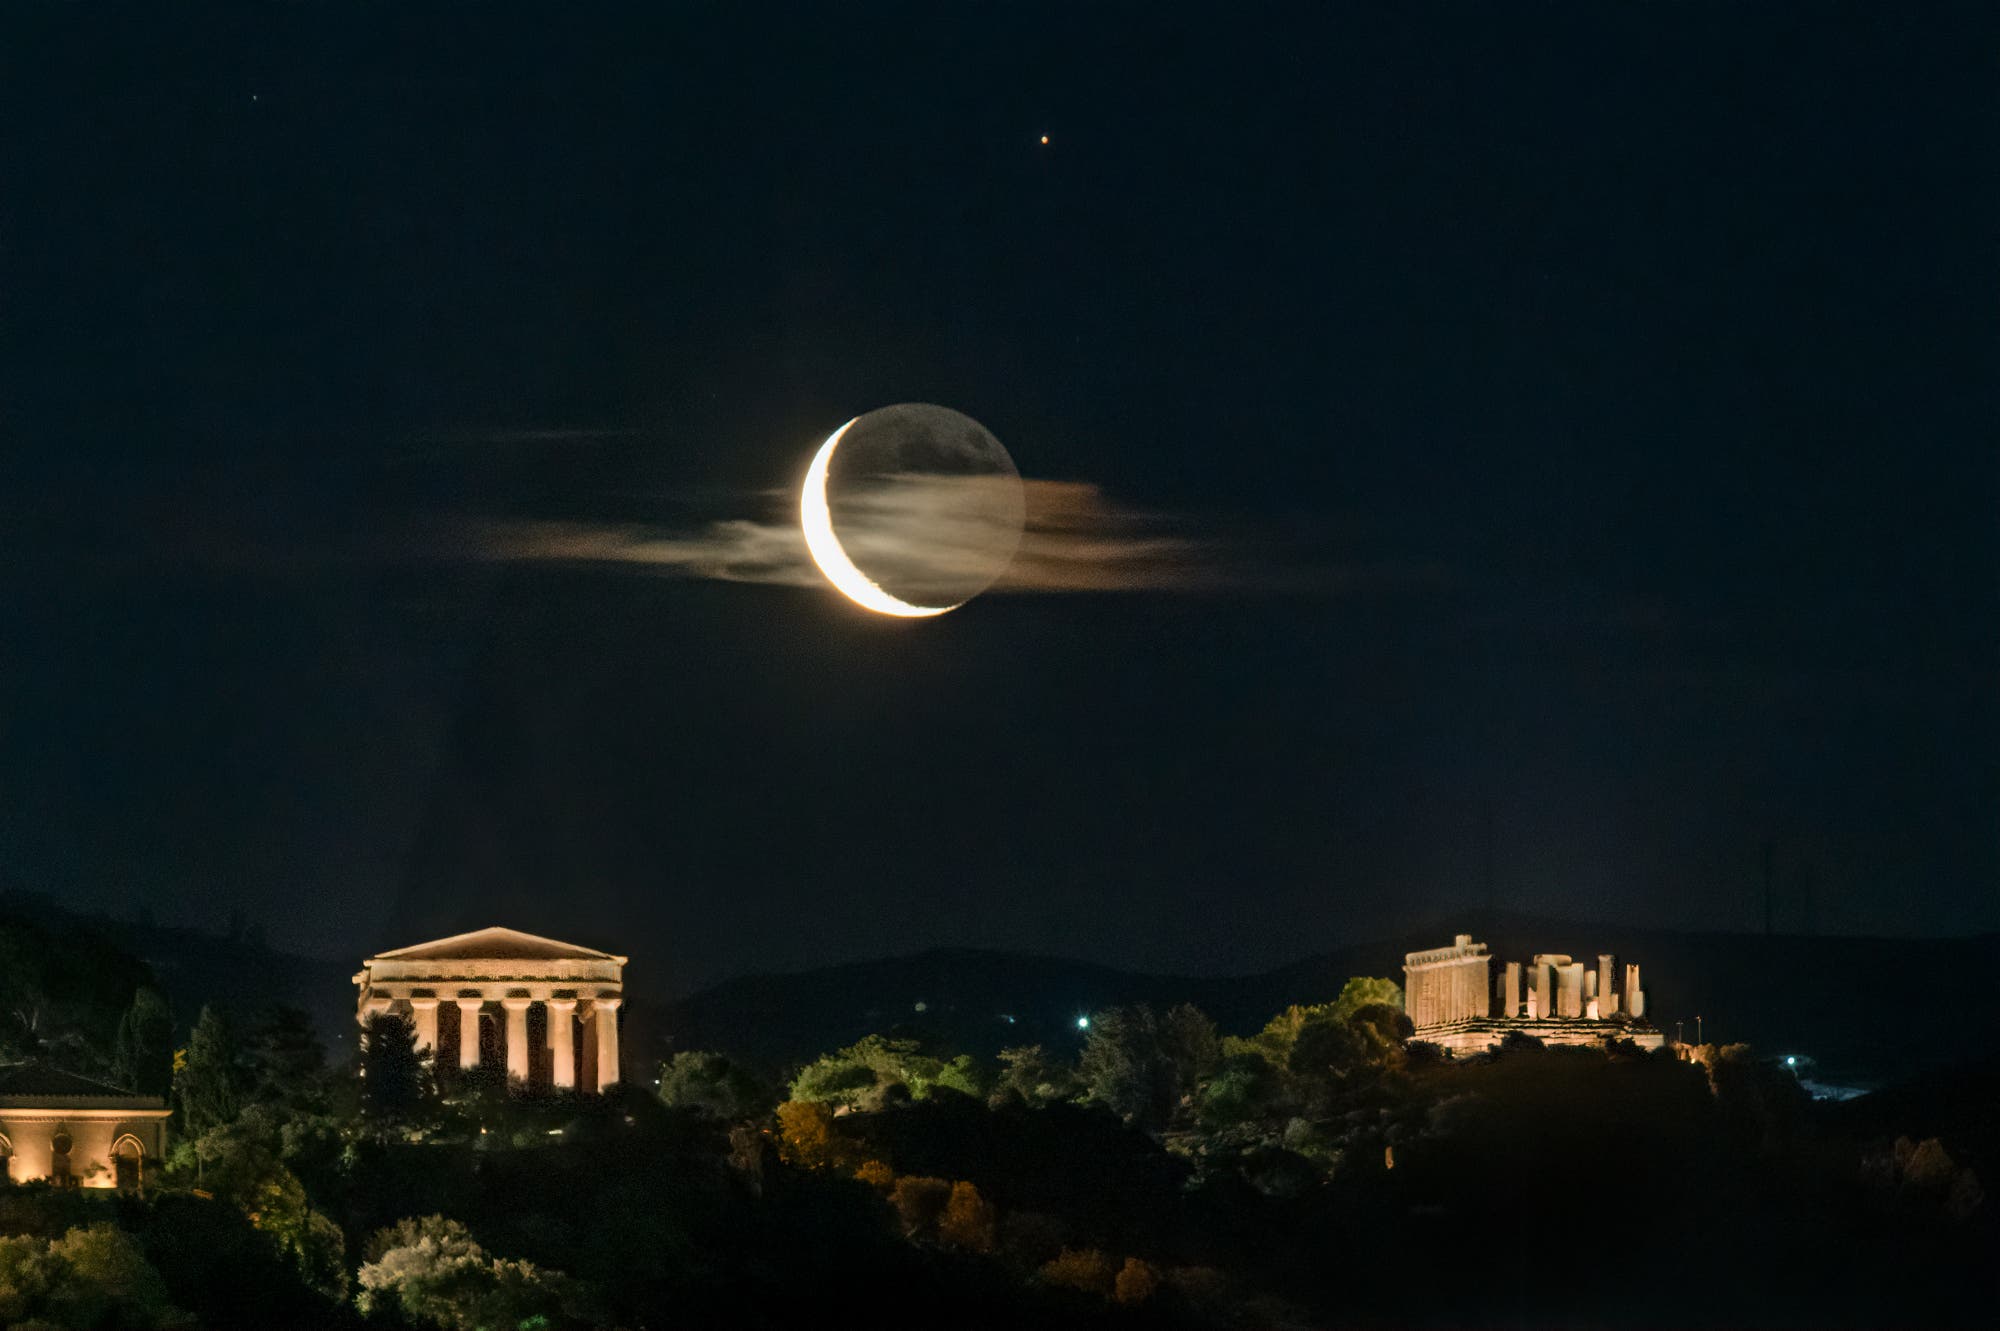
[546,1011]
[76,1132]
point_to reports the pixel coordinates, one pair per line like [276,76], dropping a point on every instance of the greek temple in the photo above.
[1455,1000]
[545,1010]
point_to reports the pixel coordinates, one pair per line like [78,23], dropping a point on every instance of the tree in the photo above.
[243,1163]
[805,1135]
[1028,1072]
[711,1084]
[143,1055]
[90,1277]
[1187,1038]
[964,1075]
[1121,1065]
[430,1270]
[1758,1099]
[313,1242]
[208,1083]
[969,1221]
[1361,991]
[1382,1030]
[63,991]
[1084,1269]
[863,1074]
[835,1079]
[284,1057]
[920,1203]
[108,1281]
[1143,1065]
[1320,1046]
[395,1075]
[1245,1086]
[1136,1282]
[27,1274]
[1325,1047]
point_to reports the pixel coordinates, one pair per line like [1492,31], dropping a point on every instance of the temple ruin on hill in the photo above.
[1455,1000]
[547,994]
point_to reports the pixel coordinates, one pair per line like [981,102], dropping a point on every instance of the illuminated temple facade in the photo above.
[1455,999]
[545,1011]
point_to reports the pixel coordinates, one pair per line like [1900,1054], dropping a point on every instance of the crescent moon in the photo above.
[817,520]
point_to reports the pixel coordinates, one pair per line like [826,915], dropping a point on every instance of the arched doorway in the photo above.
[128,1161]
[6,1160]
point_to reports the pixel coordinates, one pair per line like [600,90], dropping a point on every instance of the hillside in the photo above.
[1866,1011]
[1842,1002]
[195,968]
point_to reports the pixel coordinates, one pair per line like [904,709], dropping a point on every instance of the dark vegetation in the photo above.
[1312,1168]
[1815,996]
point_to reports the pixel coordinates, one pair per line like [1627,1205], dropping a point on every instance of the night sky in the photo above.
[1585,413]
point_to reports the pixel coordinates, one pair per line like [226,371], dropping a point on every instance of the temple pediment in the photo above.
[497,944]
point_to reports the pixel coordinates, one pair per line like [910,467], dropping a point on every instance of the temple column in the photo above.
[468,1031]
[604,1017]
[562,1041]
[425,1011]
[1569,997]
[517,1037]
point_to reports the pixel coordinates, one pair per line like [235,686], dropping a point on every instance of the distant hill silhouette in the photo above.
[1867,1010]
[194,968]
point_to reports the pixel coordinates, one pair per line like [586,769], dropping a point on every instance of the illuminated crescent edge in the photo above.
[816,518]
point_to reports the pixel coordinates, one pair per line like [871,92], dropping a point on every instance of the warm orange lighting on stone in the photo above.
[1454,1000]
[511,971]
[43,1109]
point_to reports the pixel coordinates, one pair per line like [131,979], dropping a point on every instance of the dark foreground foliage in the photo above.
[1323,1170]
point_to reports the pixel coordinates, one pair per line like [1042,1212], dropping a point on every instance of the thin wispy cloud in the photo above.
[1074,539]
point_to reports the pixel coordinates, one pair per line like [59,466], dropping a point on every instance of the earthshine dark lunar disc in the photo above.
[913,509]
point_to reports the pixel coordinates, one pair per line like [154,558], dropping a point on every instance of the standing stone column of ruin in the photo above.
[468,1031]
[605,1018]
[425,1011]
[517,1036]
[562,1041]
